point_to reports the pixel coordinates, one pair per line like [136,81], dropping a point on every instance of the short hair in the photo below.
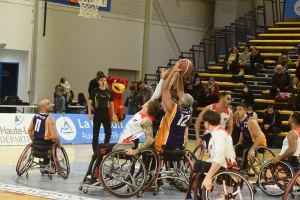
[60,89]
[254,48]
[223,94]
[62,80]
[270,106]
[285,52]
[246,46]
[140,83]
[212,117]
[100,73]
[153,107]
[242,105]
[101,76]
[296,117]
[132,87]
[187,101]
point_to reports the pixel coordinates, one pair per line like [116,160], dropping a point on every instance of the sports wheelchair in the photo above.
[273,179]
[262,156]
[125,176]
[293,189]
[51,157]
[226,184]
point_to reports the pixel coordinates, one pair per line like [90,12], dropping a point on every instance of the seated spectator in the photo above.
[247,95]
[295,98]
[243,66]
[212,90]
[82,102]
[272,124]
[256,60]
[200,92]
[190,90]
[153,87]
[251,112]
[59,106]
[131,102]
[231,60]
[284,60]
[281,82]
[297,73]
[192,77]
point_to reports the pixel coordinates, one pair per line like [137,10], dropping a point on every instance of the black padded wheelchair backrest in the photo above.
[41,149]
[170,153]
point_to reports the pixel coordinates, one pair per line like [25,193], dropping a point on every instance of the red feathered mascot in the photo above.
[117,86]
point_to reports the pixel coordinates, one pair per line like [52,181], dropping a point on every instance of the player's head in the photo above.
[211,118]
[151,107]
[44,106]
[295,119]
[225,99]
[241,110]
[186,101]
[102,80]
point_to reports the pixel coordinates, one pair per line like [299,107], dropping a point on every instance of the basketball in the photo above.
[187,67]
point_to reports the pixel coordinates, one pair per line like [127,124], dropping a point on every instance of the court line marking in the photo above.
[40,193]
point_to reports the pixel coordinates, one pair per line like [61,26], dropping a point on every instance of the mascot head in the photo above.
[117,84]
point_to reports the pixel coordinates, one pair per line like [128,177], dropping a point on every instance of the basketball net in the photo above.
[89,8]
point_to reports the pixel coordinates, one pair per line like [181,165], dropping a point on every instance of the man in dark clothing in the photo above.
[101,99]
[281,82]
[256,60]
[145,91]
[272,124]
[94,82]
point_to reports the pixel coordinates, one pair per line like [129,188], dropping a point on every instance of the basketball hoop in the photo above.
[89,8]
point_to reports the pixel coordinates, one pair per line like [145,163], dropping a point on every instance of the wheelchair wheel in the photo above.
[228,184]
[61,161]
[293,190]
[25,161]
[262,156]
[182,170]
[121,175]
[273,179]
[199,151]
[191,156]
[152,163]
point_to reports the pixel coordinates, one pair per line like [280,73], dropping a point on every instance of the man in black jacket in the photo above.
[256,60]
[94,82]
[272,124]
[281,82]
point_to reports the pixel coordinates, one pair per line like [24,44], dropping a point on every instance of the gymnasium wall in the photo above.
[77,48]
[16,32]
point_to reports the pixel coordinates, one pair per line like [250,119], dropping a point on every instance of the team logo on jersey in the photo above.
[18,119]
[66,128]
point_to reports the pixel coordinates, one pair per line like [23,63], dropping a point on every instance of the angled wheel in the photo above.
[61,161]
[273,179]
[199,151]
[25,161]
[228,184]
[192,156]
[152,163]
[293,190]
[121,175]
[262,156]
[182,171]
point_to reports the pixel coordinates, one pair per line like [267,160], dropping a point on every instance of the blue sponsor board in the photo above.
[292,9]
[78,129]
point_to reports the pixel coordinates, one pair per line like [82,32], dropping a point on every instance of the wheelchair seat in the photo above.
[41,149]
[170,153]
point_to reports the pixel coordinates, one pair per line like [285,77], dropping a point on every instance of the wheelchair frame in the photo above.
[293,190]
[61,163]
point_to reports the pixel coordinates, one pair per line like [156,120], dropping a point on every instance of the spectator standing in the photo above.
[272,124]
[247,95]
[256,60]
[64,84]
[59,106]
[281,82]
[212,90]
[295,98]
[131,102]
[146,92]
[231,60]
[243,66]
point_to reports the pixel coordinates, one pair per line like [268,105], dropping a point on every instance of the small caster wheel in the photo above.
[85,191]
[27,176]
[50,177]
[80,188]
[255,190]
[154,193]
[139,195]
[128,190]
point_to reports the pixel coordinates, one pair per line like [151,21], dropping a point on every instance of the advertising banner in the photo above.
[72,129]
[291,10]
